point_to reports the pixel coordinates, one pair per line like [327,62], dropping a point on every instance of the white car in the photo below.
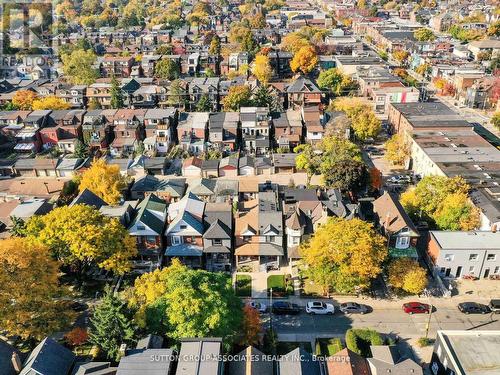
[319,308]
[260,307]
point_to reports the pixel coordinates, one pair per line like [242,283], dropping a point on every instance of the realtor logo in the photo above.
[26,26]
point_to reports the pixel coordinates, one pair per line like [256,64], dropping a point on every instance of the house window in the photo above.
[473,257]
[471,269]
[449,257]
[217,242]
[151,240]
[176,240]
[491,257]
[442,270]
[247,238]
[497,268]
[403,242]
[271,238]
[141,227]
[183,226]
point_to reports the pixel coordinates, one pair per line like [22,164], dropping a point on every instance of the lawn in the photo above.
[243,285]
[285,347]
[282,285]
[328,347]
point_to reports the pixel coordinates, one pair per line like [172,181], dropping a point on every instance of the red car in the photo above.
[416,308]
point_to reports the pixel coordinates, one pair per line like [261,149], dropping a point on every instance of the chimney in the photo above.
[16,363]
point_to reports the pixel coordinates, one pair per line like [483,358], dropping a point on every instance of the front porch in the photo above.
[190,255]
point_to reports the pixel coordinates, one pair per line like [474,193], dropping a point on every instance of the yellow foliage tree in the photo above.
[23,99]
[293,42]
[344,254]
[104,180]
[50,102]
[261,69]
[406,274]
[366,124]
[30,304]
[397,151]
[400,55]
[81,236]
[304,60]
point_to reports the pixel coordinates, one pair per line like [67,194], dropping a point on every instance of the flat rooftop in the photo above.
[474,352]
[473,240]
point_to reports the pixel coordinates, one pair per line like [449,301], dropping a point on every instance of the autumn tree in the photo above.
[76,337]
[365,124]
[335,81]
[400,55]
[442,201]
[177,94]
[117,100]
[406,274]
[304,60]
[307,160]
[439,83]
[237,97]
[261,69]
[30,303]
[214,48]
[423,69]
[293,42]
[424,35]
[397,150]
[23,99]
[181,302]
[495,120]
[111,325]
[50,103]
[167,69]
[251,326]
[78,67]
[104,180]
[344,254]
[81,237]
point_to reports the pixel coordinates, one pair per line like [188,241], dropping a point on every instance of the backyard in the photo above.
[243,285]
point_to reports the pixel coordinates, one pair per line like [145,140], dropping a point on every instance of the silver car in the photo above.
[260,307]
[353,308]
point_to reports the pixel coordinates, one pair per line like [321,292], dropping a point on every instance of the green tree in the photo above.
[167,69]
[18,227]
[237,97]
[262,97]
[117,100]
[307,160]
[81,150]
[78,66]
[111,325]
[204,104]
[177,94]
[182,302]
[344,254]
[335,81]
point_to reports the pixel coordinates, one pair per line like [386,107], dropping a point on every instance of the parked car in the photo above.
[473,308]
[285,308]
[416,308]
[260,307]
[319,308]
[354,308]
[494,305]
[400,179]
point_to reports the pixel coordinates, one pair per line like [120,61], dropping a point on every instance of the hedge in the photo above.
[359,340]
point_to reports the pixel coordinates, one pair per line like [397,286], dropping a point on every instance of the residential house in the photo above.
[192,131]
[185,230]
[263,166]
[192,353]
[237,60]
[99,92]
[347,362]
[480,48]
[228,166]
[149,361]
[36,167]
[10,359]
[117,66]
[387,359]
[147,229]
[203,188]
[280,63]
[307,365]
[128,129]
[93,368]
[259,233]
[28,138]
[73,95]
[96,128]
[255,129]
[70,167]
[284,163]
[288,129]
[302,92]
[158,125]
[170,190]
[204,87]
[191,167]
[48,358]
[223,130]
[246,166]
[314,127]
[396,226]
[218,236]
[210,168]
[87,197]
[455,254]
[156,165]
[481,94]
[252,361]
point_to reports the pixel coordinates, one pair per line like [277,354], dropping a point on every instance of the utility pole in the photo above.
[271,309]
[430,315]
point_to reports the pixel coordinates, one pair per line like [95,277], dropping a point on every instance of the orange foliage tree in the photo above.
[23,99]
[77,336]
[251,326]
